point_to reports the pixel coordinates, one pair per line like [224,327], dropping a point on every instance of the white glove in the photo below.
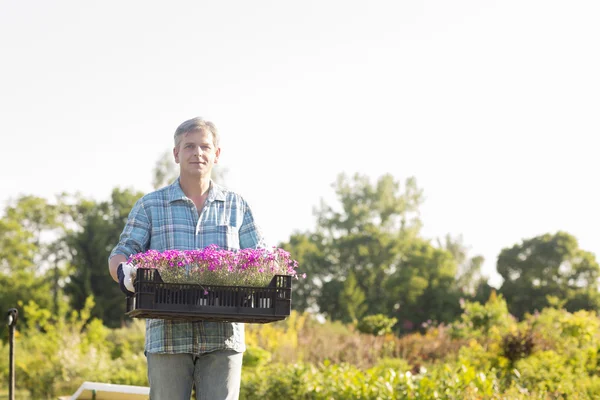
[129,271]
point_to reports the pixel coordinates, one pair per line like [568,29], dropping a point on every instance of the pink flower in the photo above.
[212,265]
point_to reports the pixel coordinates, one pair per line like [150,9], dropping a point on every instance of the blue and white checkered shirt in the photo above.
[168,220]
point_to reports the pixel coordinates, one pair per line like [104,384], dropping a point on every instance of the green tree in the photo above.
[548,265]
[329,301]
[352,300]
[364,205]
[469,280]
[468,275]
[310,251]
[373,235]
[366,256]
[365,234]
[165,170]
[23,252]
[97,231]
[423,286]
[46,222]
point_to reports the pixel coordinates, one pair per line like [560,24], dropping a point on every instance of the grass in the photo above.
[19,394]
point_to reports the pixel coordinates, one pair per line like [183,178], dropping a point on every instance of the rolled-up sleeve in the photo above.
[135,237]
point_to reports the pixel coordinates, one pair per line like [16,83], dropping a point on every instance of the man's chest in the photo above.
[182,227]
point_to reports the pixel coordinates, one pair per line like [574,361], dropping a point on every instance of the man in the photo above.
[191,213]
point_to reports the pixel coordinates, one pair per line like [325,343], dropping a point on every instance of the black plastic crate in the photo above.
[190,302]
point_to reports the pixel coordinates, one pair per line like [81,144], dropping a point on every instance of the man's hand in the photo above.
[125,282]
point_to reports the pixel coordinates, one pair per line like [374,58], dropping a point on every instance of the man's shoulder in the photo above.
[161,195]
[224,193]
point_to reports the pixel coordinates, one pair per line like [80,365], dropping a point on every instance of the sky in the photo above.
[491,105]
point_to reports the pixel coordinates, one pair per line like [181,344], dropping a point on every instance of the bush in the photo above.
[57,356]
[255,357]
[480,320]
[344,381]
[549,355]
[377,325]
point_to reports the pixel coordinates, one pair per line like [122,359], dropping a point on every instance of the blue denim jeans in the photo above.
[217,375]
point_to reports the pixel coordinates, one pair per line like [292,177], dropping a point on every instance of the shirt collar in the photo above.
[216,192]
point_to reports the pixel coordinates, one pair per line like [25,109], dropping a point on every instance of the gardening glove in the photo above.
[124,271]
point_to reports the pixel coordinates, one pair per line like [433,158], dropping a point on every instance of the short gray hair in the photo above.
[193,125]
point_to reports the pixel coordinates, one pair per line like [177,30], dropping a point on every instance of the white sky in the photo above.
[492,105]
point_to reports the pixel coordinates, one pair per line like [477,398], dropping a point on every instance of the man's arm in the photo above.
[134,238]
[250,233]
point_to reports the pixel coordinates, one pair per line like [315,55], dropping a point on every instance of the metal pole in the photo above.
[12,317]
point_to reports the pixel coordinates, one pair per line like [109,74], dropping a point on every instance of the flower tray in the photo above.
[156,299]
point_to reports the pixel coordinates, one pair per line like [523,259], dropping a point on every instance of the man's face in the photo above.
[196,153]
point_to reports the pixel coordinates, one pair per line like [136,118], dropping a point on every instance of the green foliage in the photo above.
[366,257]
[397,364]
[21,277]
[363,234]
[256,357]
[548,265]
[377,325]
[17,249]
[344,381]
[468,276]
[423,286]
[165,170]
[546,372]
[555,354]
[479,320]
[302,338]
[309,251]
[57,353]
[99,226]
[352,299]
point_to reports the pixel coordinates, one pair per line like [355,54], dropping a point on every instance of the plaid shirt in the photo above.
[167,220]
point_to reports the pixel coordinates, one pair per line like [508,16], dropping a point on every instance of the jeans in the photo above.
[217,375]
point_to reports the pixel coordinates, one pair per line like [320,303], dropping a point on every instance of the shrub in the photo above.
[255,357]
[479,320]
[377,324]
[517,345]
[56,356]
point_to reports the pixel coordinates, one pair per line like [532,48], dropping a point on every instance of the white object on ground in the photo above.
[108,391]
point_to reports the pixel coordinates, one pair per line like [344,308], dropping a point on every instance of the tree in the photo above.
[22,252]
[310,251]
[352,300]
[364,234]
[423,286]
[165,170]
[97,231]
[548,265]
[468,268]
[372,259]
[367,258]
[46,222]
[365,205]
[469,280]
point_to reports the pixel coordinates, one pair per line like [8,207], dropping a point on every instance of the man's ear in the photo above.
[176,154]
[217,154]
